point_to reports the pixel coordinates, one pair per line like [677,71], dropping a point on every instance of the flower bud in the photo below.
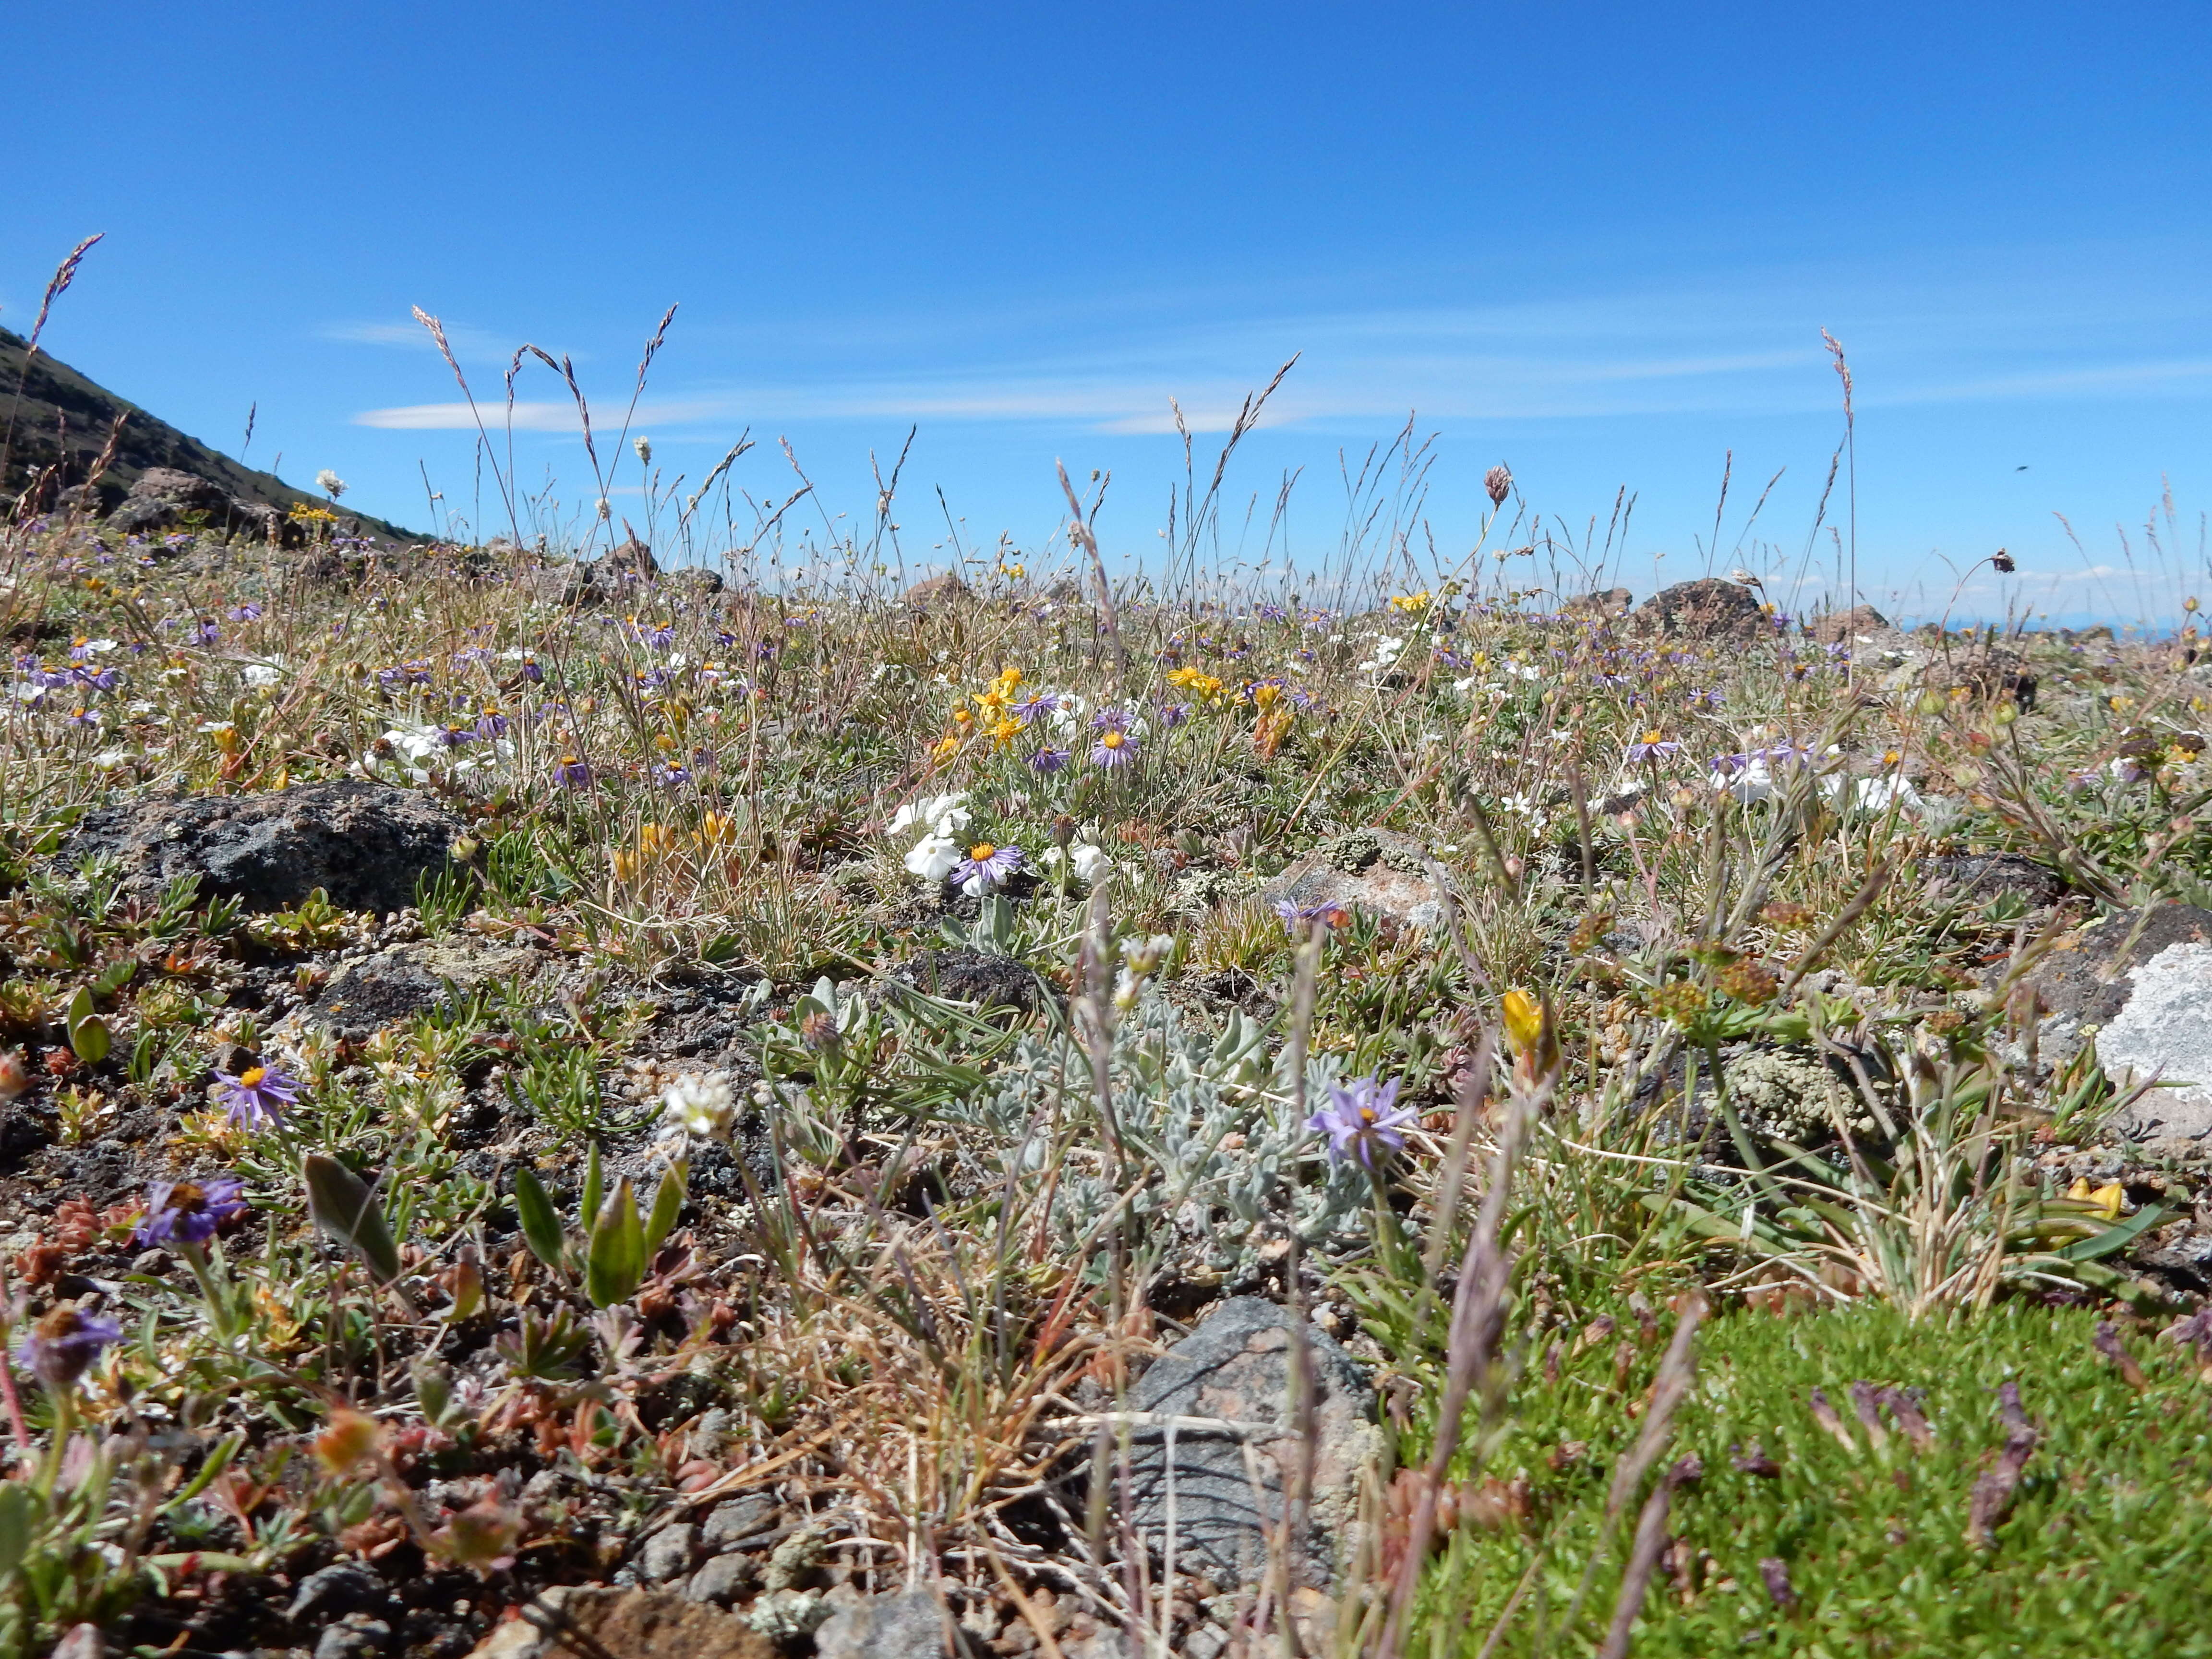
[348,1439]
[1499,483]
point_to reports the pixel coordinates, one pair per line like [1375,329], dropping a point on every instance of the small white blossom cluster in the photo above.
[941,819]
[699,1105]
[1089,862]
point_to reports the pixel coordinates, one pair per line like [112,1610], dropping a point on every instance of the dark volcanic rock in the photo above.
[971,975]
[365,844]
[1980,876]
[164,497]
[62,423]
[1235,1368]
[1838,626]
[1706,609]
[402,981]
[1605,602]
[937,590]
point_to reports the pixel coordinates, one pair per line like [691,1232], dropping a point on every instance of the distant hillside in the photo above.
[64,417]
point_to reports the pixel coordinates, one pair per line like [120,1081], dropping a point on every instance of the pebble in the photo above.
[667,1554]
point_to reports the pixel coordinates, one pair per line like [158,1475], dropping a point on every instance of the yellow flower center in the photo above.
[1652,737]
[981,851]
[252,1076]
[1367,1114]
[1113,739]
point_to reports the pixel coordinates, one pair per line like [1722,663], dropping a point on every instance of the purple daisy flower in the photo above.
[1173,715]
[452,736]
[1115,748]
[188,1212]
[531,671]
[207,634]
[668,774]
[1362,1115]
[61,1347]
[258,1096]
[1651,747]
[247,611]
[986,867]
[491,724]
[1049,759]
[1028,708]
[572,773]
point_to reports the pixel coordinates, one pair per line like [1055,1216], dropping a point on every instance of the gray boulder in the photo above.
[1708,608]
[937,591]
[1235,1368]
[402,980]
[908,1626]
[1378,870]
[365,844]
[2138,987]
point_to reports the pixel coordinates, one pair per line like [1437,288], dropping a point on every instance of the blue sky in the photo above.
[1595,242]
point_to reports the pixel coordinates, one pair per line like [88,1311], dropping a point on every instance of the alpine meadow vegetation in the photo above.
[840,1032]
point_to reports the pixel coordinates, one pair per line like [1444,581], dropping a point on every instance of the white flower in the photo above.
[943,814]
[97,648]
[138,709]
[262,674]
[1754,783]
[1088,862]
[699,1104]
[934,856]
[330,483]
[1872,795]
[1144,956]
[108,759]
[1522,805]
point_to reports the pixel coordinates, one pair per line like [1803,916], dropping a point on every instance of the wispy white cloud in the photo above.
[408,335]
[534,415]
[1750,348]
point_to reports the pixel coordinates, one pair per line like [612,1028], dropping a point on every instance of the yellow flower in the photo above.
[1412,603]
[945,749]
[1524,1022]
[2107,1198]
[1005,732]
[717,829]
